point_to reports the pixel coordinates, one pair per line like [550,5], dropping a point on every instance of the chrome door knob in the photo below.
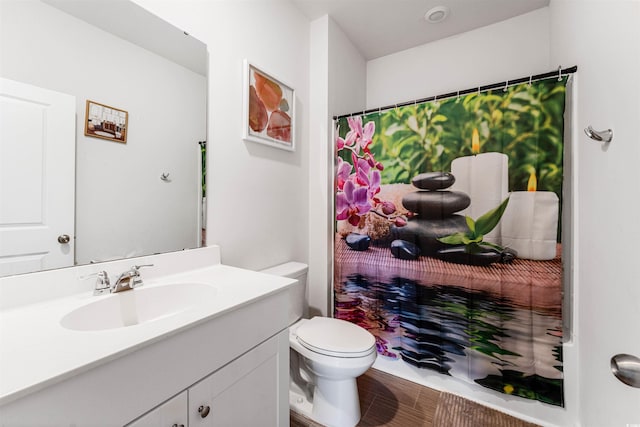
[64,238]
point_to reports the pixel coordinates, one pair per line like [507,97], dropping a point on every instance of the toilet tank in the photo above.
[298,303]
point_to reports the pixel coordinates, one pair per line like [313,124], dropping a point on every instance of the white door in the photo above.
[37,174]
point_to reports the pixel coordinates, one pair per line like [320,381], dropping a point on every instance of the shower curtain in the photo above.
[447,243]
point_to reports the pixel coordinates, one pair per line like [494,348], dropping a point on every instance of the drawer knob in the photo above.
[204,411]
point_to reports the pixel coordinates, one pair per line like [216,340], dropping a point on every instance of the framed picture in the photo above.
[103,121]
[268,113]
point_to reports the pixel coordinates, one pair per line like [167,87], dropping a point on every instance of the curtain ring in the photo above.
[560,73]
[506,86]
[530,77]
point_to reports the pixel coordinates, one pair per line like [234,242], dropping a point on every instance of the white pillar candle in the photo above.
[485,179]
[530,224]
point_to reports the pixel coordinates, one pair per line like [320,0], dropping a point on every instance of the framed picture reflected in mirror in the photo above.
[103,121]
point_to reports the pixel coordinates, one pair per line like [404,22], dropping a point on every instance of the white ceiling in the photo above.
[376,27]
[381,27]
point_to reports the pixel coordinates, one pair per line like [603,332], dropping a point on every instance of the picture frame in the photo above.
[268,109]
[106,122]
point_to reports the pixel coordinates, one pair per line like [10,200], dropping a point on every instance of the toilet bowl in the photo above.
[326,357]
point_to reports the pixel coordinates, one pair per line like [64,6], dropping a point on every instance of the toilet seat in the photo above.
[335,337]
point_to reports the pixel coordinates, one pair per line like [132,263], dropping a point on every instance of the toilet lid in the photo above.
[335,337]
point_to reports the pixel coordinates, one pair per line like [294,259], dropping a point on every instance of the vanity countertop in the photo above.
[38,351]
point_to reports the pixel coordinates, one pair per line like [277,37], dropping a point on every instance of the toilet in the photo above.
[326,357]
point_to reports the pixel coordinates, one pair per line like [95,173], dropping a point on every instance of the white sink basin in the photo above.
[138,306]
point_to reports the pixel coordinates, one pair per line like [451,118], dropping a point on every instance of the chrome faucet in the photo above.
[129,279]
[126,281]
[102,283]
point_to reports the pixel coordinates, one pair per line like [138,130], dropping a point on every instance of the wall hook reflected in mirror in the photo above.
[165,177]
[600,136]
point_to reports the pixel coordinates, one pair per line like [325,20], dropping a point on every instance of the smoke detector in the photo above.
[436,14]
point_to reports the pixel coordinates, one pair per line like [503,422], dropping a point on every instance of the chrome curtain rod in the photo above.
[557,73]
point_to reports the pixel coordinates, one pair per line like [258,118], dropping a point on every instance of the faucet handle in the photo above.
[138,267]
[102,283]
[136,279]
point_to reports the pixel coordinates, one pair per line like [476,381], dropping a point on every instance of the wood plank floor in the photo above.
[386,400]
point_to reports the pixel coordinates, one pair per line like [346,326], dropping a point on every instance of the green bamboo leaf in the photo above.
[438,118]
[453,239]
[557,89]
[469,240]
[523,95]
[517,107]
[472,226]
[489,220]
[492,98]
[412,122]
[395,127]
[398,177]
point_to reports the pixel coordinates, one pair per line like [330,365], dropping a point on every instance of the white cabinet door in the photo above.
[172,413]
[37,178]
[245,393]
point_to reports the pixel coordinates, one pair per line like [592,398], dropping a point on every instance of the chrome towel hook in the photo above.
[626,368]
[600,136]
[165,177]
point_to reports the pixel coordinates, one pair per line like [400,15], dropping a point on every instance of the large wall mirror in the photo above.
[139,197]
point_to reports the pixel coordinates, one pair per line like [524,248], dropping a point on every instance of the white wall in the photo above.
[338,85]
[319,169]
[347,74]
[603,38]
[257,197]
[510,49]
[122,207]
[507,50]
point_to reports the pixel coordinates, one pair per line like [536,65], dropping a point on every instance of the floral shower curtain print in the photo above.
[447,245]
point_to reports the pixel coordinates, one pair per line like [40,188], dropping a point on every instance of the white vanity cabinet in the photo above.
[246,392]
[230,354]
[172,413]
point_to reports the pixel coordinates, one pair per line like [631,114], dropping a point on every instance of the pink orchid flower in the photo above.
[369,177]
[359,137]
[374,184]
[352,203]
[343,170]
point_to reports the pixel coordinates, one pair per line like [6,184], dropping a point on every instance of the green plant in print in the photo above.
[476,230]
[203,170]
[525,122]
[547,390]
